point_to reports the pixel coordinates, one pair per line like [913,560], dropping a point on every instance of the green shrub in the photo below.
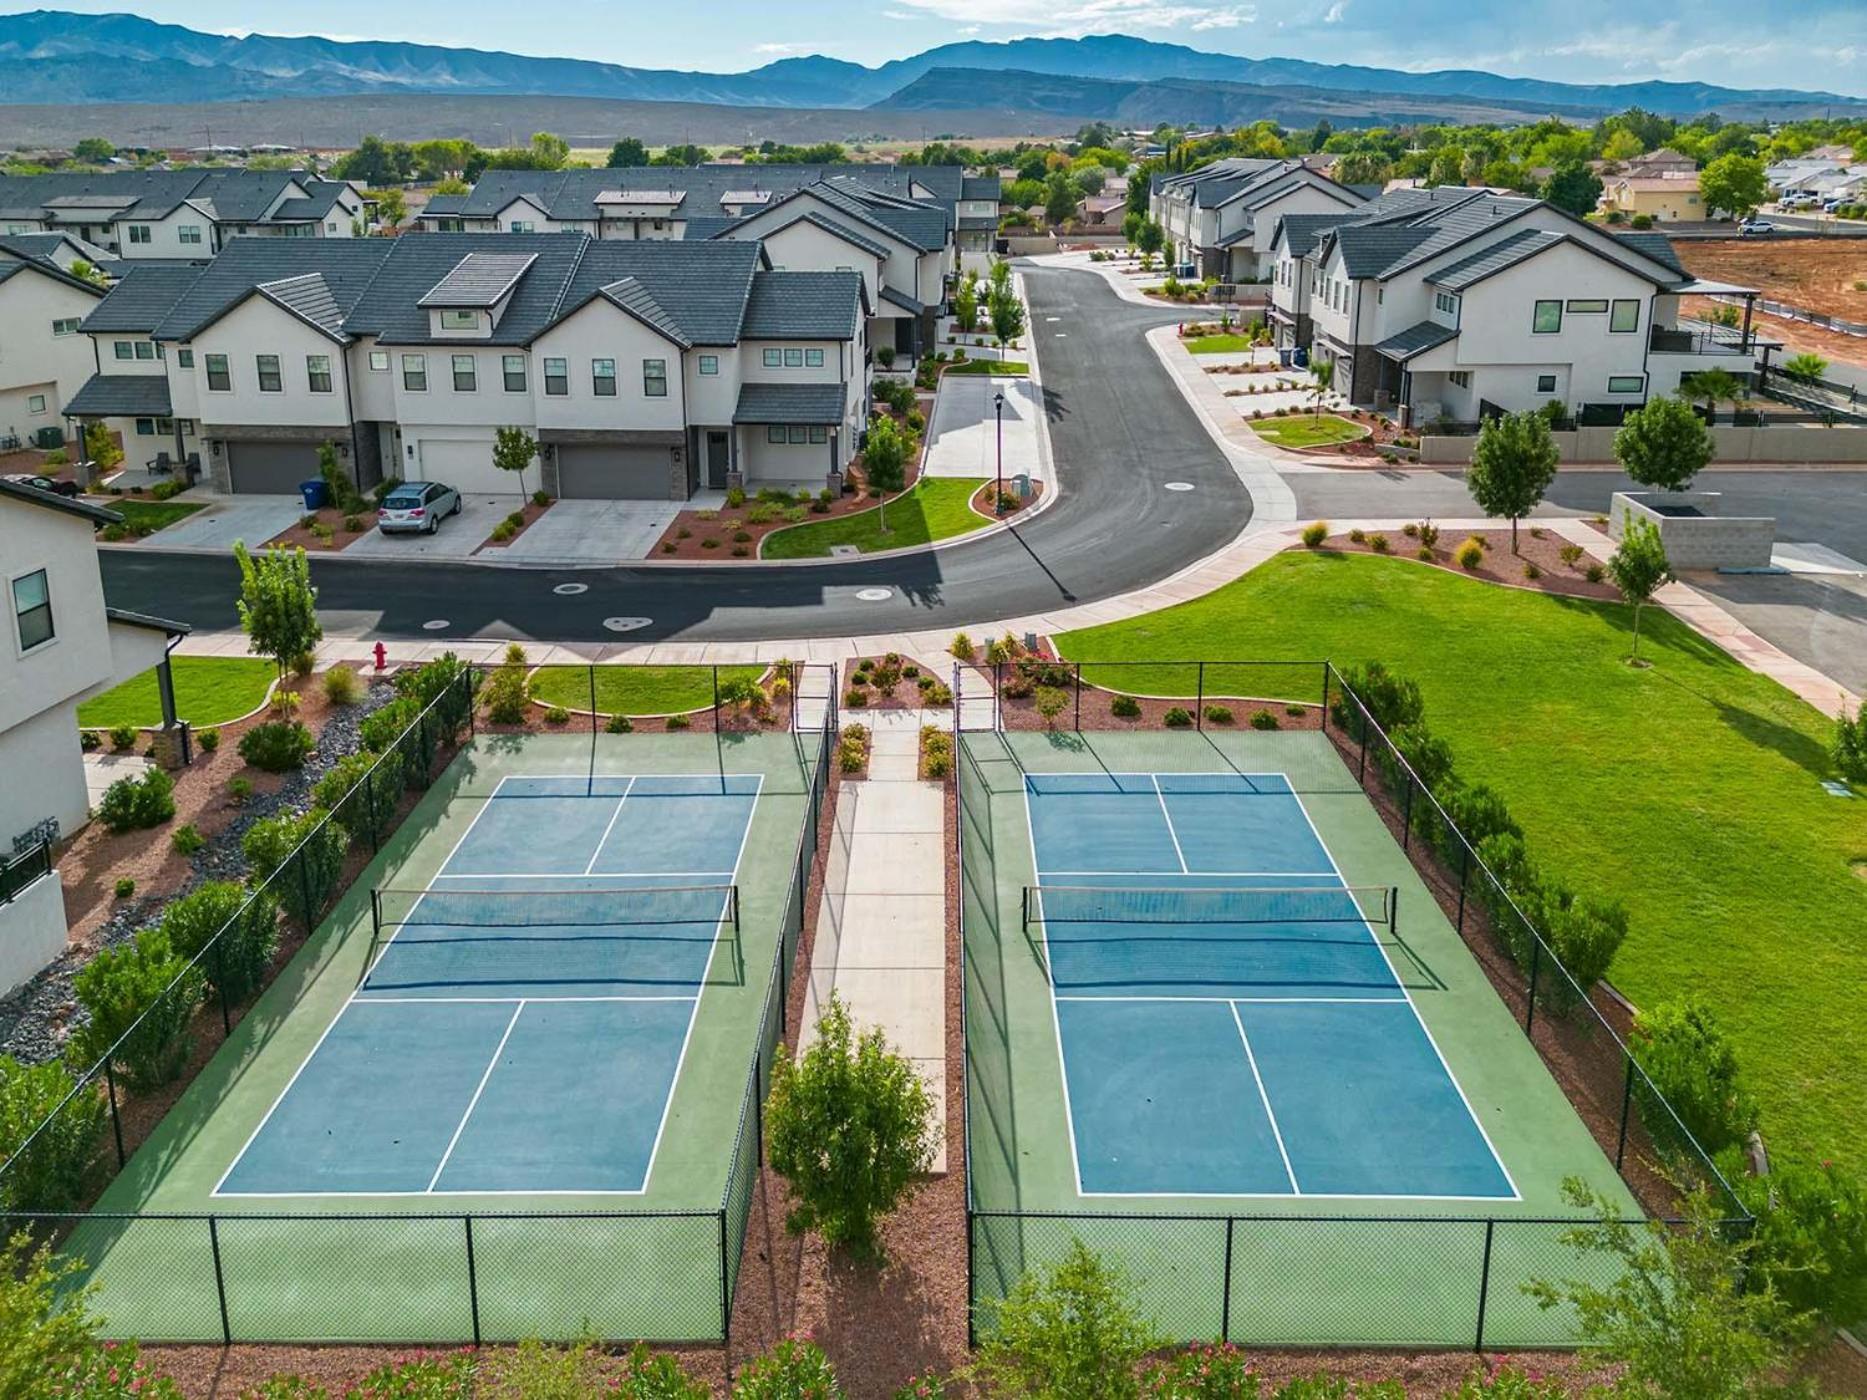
[618,724]
[1694,1066]
[52,1348]
[247,925]
[791,1370]
[1219,714]
[735,497]
[1810,1240]
[1584,931]
[427,1375]
[503,531]
[208,739]
[304,887]
[1530,571]
[1479,812]
[1392,700]
[1177,718]
[1315,533]
[51,1174]
[124,888]
[1570,554]
[123,737]
[133,980]
[1425,554]
[89,741]
[1594,573]
[342,686]
[132,804]
[1849,746]
[187,839]
[936,751]
[1356,535]
[509,692]
[1051,702]
[852,748]
[277,746]
[1201,1373]
[1471,554]
[360,792]
[239,790]
[1519,882]
[1378,543]
[446,680]
[856,698]
[849,1126]
[679,722]
[1072,1330]
[380,728]
[1264,719]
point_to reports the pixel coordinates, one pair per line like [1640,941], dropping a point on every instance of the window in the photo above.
[65,325]
[379,361]
[188,233]
[270,381]
[1625,317]
[799,433]
[1627,383]
[32,609]
[35,403]
[1462,378]
[655,379]
[145,349]
[187,427]
[775,433]
[819,434]
[139,233]
[774,359]
[460,320]
[813,359]
[318,373]
[513,367]
[145,427]
[466,376]
[603,378]
[793,359]
[522,226]
[557,378]
[218,378]
[1590,306]
[1447,303]
[1546,383]
[709,364]
[415,373]
[1547,319]
[123,350]
[184,359]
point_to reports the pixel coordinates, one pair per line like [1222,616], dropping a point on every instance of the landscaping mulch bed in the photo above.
[528,512]
[903,693]
[702,721]
[982,500]
[686,537]
[1095,714]
[301,536]
[1500,565]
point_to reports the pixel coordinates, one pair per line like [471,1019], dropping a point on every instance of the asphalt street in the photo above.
[1119,433]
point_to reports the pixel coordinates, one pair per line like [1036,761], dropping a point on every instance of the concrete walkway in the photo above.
[881,926]
[963,439]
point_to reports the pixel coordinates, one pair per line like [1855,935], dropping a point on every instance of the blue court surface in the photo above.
[1228,1018]
[522,1023]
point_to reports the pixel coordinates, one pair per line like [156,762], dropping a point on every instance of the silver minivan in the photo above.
[417,506]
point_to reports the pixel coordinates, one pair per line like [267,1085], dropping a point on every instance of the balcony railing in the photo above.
[23,869]
[1666,340]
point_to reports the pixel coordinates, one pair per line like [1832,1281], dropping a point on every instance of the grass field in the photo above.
[208,690]
[634,690]
[1006,367]
[1690,791]
[1218,344]
[935,509]
[1307,431]
[153,515]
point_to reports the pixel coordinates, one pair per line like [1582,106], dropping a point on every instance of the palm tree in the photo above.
[1322,380]
[1713,386]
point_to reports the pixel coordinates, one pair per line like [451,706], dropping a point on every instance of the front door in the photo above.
[718,460]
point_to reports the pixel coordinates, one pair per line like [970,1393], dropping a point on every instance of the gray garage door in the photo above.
[614,473]
[271,468]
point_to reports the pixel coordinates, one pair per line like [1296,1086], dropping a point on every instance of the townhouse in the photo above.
[1221,218]
[1457,303]
[645,369]
[44,360]
[177,213]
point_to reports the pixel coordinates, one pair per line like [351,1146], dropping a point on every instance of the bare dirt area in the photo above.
[1822,274]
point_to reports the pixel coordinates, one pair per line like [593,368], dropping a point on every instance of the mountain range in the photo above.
[57,57]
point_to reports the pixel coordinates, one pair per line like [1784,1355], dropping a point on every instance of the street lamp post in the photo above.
[998,485]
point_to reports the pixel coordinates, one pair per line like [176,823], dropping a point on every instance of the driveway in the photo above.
[457,538]
[963,440]
[594,532]
[252,519]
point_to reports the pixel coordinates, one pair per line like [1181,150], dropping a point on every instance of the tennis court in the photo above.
[523,1019]
[1228,1013]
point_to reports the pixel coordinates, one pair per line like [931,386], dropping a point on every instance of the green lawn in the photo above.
[1006,367]
[1307,430]
[208,690]
[634,690]
[936,508]
[153,515]
[1690,791]
[1218,344]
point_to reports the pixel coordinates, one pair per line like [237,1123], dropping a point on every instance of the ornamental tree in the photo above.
[1663,445]
[1639,567]
[884,462]
[513,451]
[1513,463]
[278,605]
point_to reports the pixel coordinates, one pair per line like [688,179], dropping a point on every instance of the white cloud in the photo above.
[1336,12]
[970,29]
[1076,17]
[781,49]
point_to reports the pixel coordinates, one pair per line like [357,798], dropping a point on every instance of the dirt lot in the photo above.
[1828,275]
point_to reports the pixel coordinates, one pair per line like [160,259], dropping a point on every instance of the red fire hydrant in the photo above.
[382,656]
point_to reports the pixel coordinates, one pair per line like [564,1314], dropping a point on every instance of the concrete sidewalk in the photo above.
[963,439]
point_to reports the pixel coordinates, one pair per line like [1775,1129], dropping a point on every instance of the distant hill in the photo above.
[56,57]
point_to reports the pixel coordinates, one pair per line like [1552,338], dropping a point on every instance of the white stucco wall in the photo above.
[258,327]
[602,330]
[32,930]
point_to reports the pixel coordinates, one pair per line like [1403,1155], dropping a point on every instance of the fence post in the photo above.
[998,696]
[1627,1105]
[726,1297]
[1484,1286]
[1406,820]
[304,888]
[1361,769]
[466,679]
[220,984]
[369,802]
[1536,963]
[1465,870]
[473,1280]
[116,1119]
[1079,698]
[1225,1308]
[972,1293]
[220,1280]
[1199,698]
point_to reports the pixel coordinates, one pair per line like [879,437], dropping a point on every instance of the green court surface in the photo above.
[450,1265]
[1276,1263]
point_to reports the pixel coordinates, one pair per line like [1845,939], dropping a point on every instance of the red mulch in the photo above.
[530,510]
[904,694]
[705,721]
[1500,565]
[300,534]
[982,500]
[725,524]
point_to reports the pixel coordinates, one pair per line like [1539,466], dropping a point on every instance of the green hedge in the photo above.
[52,1173]
[306,852]
[144,983]
[238,961]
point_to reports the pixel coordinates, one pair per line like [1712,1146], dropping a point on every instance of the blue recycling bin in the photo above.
[314,492]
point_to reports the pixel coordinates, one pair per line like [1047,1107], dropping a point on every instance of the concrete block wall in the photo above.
[1705,541]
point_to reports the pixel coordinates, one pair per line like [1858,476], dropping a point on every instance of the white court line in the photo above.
[479,1089]
[498,1001]
[1236,874]
[1267,1001]
[597,875]
[1167,817]
[1269,1112]
[603,840]
[1050,989]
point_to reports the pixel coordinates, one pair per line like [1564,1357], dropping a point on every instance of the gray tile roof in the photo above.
[389,304]
[803,306]
[309,297]
[701,286]
[1368,250]
[1302,232]
[445,204]
[33,496]
[634,298]
[478,280]
[237,196]
[144,295]
[1506,252]
[925,226]
[1656,246]
[844,230]
[980,187]
[1416,339]
[903,300]
[121,396]
[346,264]
[45,267]
[814,404]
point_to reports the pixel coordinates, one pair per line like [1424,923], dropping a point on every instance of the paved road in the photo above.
[1119,430]
[1826,507]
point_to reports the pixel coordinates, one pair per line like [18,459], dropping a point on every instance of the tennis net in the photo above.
[1206,904]
[556,908]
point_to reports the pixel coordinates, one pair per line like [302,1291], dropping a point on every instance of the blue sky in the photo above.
[1745,43]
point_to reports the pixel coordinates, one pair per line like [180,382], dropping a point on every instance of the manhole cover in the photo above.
[571,590]
[438,624]
[1179,486]
[876,595]
[844,551]
[627,624]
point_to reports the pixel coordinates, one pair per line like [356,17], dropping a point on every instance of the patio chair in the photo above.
[161,466]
